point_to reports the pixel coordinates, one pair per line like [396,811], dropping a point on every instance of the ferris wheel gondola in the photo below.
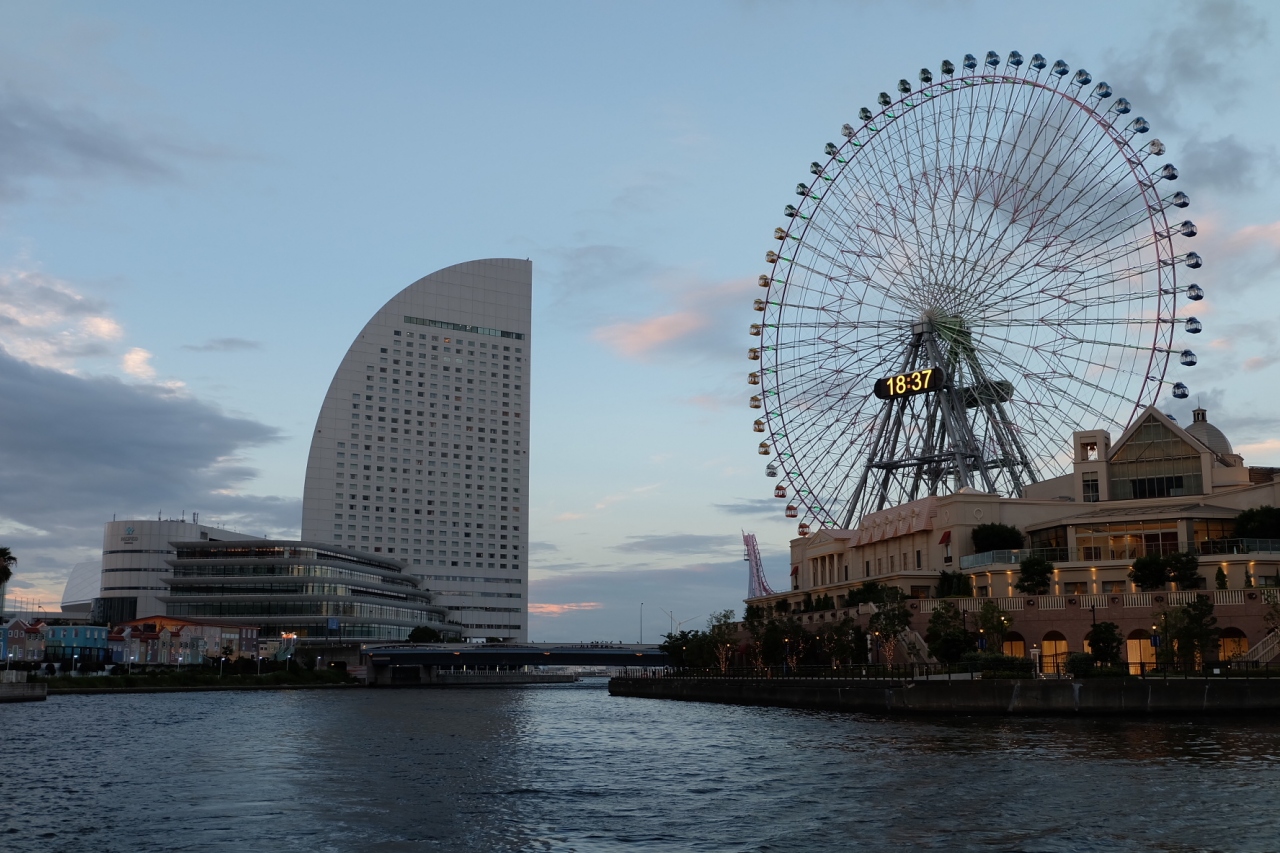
[986,261]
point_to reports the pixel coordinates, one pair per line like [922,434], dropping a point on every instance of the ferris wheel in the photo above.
[985,262]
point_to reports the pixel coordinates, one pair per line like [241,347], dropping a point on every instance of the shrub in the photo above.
[1260,523]
[1080,664]
[1034,576]
[996,537]
[954,584]
[996,665]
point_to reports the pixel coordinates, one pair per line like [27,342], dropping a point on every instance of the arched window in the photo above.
[1232,642]
[1053,655]
[1014,645]
[1139,652]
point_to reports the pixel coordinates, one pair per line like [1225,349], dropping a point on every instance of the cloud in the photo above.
[639,338]
[137,363]
[41,139]
[43,320]
[677,543]
[752,506]
[712,317]
[561,609]
[1197,59]
[224,345]
[690,592]
[78,450]
[568,516]
[1226,164]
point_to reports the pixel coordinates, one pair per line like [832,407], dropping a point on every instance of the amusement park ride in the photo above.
[987,259]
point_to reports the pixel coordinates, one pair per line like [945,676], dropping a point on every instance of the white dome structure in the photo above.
[1208,434]
[82,586]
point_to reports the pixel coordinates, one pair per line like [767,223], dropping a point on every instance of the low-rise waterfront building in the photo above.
[135,557]
[21,642]
[80,643]
[311,590]
[166,641]
[1159,489]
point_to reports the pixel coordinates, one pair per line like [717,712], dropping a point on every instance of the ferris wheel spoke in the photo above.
[999,227]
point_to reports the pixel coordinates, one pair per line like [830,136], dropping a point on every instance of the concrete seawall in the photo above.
[1100,696]
[23,692]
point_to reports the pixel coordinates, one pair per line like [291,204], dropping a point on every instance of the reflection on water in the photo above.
[570,768]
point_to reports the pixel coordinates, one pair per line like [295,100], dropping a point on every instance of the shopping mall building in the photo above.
[1159,489]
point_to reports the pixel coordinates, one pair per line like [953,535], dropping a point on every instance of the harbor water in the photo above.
[569,768]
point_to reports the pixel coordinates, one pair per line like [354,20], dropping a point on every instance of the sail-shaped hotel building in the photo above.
[421,449]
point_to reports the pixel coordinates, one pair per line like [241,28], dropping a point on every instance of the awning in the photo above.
[946,538]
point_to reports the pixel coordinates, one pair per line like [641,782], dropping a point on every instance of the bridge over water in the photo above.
[513,655]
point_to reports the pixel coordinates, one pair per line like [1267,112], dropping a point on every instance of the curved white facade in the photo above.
[421,450]
[83,585]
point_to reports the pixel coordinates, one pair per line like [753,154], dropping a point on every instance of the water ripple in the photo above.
[568,768]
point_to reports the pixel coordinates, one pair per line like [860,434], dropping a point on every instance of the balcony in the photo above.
[991,558]
[1239,546]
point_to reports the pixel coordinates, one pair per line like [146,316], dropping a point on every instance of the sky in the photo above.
[202,204]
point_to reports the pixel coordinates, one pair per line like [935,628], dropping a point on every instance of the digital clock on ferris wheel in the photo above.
[909,384]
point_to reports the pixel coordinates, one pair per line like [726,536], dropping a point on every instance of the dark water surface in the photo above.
[567,767]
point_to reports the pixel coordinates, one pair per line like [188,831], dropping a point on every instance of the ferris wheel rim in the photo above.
[1155,212]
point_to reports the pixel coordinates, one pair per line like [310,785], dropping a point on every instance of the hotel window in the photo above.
[1113,587]
[1075,588]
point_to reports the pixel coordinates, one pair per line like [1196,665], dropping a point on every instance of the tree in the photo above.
[1034,576]
[841,641]
[954,584]
[1220,578]
[996,537]
[947,638]
[7,562]
[995,623]
[1260,523]
[1105,642]
[1196,639]
[722,634]
[1183,568]
[424,634]
[1149,573]
[890,621]
[871,592]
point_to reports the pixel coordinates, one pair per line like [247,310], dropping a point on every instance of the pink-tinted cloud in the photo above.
[561,609]
[1267,234]
[639,338]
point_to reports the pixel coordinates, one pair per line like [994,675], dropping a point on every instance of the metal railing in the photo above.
[1239,546]
[990,558]
[1024,668]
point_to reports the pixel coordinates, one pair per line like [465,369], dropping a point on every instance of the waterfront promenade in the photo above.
[943,696]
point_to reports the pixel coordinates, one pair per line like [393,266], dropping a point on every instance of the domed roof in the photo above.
[1208,434]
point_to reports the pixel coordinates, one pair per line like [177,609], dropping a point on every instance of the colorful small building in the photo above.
[21,642]
[85,643]
[165,641]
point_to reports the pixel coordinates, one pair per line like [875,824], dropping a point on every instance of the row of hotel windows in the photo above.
[309,570]
[352,609]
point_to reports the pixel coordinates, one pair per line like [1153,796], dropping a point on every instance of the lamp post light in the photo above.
[259,664]
[221,661]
